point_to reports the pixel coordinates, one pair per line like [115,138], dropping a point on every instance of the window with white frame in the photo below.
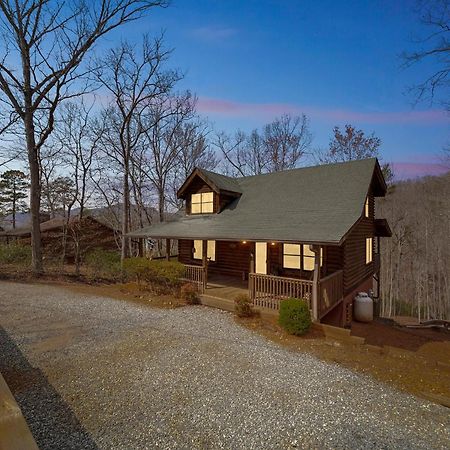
[211,250]
[295,254]
[202,203]
[369,250]
[309,257]
[292,256]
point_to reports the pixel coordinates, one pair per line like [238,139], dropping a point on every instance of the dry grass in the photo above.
[421,373]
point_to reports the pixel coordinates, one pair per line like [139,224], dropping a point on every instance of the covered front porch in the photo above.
[323,291]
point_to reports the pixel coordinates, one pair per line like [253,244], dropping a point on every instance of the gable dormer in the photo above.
[207,192]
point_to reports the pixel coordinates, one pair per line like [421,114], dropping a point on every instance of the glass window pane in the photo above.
[196,198]
[212,250]
[207,207]
[207,197]
[196,208]
[307,251]
[291,249]
[368,250]
[291,262]
[198,249]
[308,263]
[366,207]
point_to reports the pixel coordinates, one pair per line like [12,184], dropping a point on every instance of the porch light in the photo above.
[244,242]
[273,243]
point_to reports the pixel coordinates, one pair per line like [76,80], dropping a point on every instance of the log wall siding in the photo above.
[232,257]
[354,250]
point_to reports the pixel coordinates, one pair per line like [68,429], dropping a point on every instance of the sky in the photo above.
[338,62]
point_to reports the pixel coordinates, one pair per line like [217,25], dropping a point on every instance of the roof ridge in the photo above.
[317,166]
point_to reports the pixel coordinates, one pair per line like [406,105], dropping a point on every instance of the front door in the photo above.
[261,257]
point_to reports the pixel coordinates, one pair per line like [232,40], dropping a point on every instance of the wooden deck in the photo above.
[225,287]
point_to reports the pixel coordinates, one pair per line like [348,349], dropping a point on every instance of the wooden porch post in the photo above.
[250,281]
[316,278]
[205,262]
[167,249]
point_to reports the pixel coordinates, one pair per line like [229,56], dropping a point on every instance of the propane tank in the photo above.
[363,308]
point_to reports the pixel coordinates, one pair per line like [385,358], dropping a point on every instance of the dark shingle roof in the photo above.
[312,204]
[223,182]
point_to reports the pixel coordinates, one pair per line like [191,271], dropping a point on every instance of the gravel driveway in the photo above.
[91,372]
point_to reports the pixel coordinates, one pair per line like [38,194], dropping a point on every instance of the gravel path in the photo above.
[94,372]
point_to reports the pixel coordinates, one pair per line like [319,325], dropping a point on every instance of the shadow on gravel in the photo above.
[51,421]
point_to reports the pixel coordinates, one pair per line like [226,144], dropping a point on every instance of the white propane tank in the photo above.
[363,308]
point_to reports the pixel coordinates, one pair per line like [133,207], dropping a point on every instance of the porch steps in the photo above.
[217,302]
[228,305]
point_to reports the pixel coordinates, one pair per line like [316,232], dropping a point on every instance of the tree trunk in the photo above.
[125,214]
[35,196]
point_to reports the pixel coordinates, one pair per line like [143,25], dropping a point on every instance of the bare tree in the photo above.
[286,140]
[352,144]
[280,146]
[234,152]
[434,48]
[165,140]
[75,133]
[194,152]
[51,39]
[135,81]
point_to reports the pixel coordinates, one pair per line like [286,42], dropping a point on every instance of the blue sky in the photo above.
[251,60]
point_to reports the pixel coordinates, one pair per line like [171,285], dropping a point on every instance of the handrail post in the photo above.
[205,263]
[316,282]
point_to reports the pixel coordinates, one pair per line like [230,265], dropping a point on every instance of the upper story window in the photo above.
[202,203]
[366,207]
[296,256]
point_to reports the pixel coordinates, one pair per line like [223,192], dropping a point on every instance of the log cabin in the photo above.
[307,233]
[88,233]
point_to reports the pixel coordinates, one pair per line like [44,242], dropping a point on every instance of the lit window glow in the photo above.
[198,250]
[202,203]
[369,250]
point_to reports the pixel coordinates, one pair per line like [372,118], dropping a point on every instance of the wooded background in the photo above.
[415,261]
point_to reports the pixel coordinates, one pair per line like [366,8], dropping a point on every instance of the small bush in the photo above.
[160,276]
[294,316]
[103,263]
[243,306]
[136,269]
[15,254]
[189,293]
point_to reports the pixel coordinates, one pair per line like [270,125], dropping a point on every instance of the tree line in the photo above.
[114,129]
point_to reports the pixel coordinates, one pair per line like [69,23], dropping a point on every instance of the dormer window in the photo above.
[202,203]
[366,207]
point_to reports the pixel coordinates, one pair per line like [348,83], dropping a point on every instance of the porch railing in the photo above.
[331,291]
[267,291]
[196,275]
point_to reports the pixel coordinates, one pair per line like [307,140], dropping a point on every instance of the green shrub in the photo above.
[189,293]
[136,269]
[243,306]
[294,316]
[103,263]
[15,254]
[161,276]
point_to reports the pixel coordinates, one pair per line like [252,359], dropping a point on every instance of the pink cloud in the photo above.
[222,107]
[405,170]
